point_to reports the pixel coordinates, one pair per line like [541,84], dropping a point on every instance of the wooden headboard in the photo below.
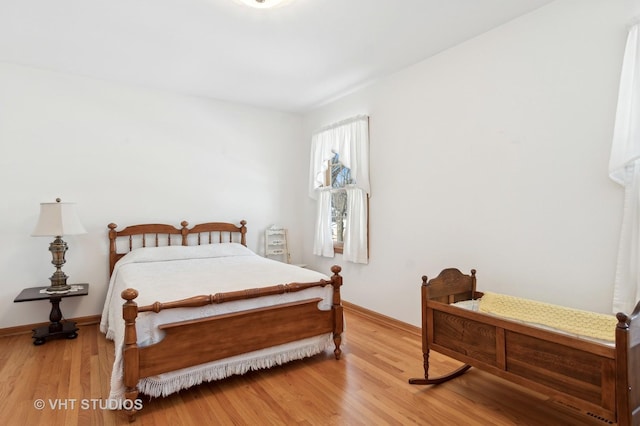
[451,286]
[156,235]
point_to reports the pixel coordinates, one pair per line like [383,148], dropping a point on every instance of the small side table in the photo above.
[55,329]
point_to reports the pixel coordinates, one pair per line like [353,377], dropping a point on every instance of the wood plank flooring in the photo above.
[368,386]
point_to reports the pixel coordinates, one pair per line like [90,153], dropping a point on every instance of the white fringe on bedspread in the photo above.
[168,383]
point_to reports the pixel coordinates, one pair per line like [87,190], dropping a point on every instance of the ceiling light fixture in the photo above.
[264,4]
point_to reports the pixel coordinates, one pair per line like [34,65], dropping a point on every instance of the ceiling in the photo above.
[292,58]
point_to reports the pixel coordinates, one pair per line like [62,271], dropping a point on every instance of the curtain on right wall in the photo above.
[624,168]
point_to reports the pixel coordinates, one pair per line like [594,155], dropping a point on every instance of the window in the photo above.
[339,181]
[338,177]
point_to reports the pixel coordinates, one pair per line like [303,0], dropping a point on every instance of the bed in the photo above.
[600,379]
[200,306]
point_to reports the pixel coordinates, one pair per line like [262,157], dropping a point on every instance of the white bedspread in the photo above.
[171,273]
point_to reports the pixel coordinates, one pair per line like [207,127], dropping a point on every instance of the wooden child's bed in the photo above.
[220,334]
[601,380]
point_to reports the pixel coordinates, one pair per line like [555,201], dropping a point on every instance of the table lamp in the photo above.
[58,219]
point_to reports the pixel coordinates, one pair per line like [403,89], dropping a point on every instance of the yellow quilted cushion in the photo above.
[575,321]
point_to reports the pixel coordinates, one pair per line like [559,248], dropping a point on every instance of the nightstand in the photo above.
[55,329]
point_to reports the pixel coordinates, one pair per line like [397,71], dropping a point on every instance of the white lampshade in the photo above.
[263,4]
[58,219]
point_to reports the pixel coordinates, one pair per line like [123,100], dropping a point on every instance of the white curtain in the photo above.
[322,241]
[624,168]
[350,140]
[355,239]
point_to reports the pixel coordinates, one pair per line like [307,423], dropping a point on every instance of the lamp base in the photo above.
[59,279]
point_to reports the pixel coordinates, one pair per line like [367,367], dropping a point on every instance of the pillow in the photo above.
[164,253]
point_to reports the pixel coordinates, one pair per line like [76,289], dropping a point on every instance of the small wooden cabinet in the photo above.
[276,244]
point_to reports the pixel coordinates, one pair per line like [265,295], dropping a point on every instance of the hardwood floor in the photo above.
[367,387]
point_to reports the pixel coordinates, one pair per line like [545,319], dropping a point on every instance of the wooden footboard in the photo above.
[600,380]
[189,343]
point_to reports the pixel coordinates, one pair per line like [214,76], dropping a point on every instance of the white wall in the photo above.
[129,155]
[493,155]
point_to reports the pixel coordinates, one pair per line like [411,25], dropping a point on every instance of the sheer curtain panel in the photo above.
[323,241]
[624,168]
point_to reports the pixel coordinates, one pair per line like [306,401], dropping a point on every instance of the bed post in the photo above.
[243,232]
[112,246]
[473,284]
[185,232]
[338,327]
[130,356]
[425,344]
[426,380]
[628,368]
